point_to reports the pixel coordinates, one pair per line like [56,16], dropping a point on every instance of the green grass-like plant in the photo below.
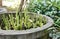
[22,21]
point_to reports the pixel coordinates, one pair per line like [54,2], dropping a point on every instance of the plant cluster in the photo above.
[47,7]
[21,21]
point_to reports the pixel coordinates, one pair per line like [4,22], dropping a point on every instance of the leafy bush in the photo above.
[47,7]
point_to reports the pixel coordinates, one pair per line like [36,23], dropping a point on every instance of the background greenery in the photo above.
[47,7]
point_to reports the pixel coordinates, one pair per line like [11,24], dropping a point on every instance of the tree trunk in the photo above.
[20,9]
[20,6]
[0,2]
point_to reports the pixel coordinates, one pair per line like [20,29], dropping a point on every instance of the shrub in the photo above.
[47,7]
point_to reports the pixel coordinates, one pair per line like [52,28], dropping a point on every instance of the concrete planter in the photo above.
[33,33]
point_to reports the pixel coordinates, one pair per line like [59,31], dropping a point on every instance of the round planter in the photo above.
[33,33]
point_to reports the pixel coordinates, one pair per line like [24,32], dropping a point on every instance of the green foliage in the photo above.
[7,25]
[22,20]
[47,7]
[19,23]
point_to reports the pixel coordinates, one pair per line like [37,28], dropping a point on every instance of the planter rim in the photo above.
[28,31]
